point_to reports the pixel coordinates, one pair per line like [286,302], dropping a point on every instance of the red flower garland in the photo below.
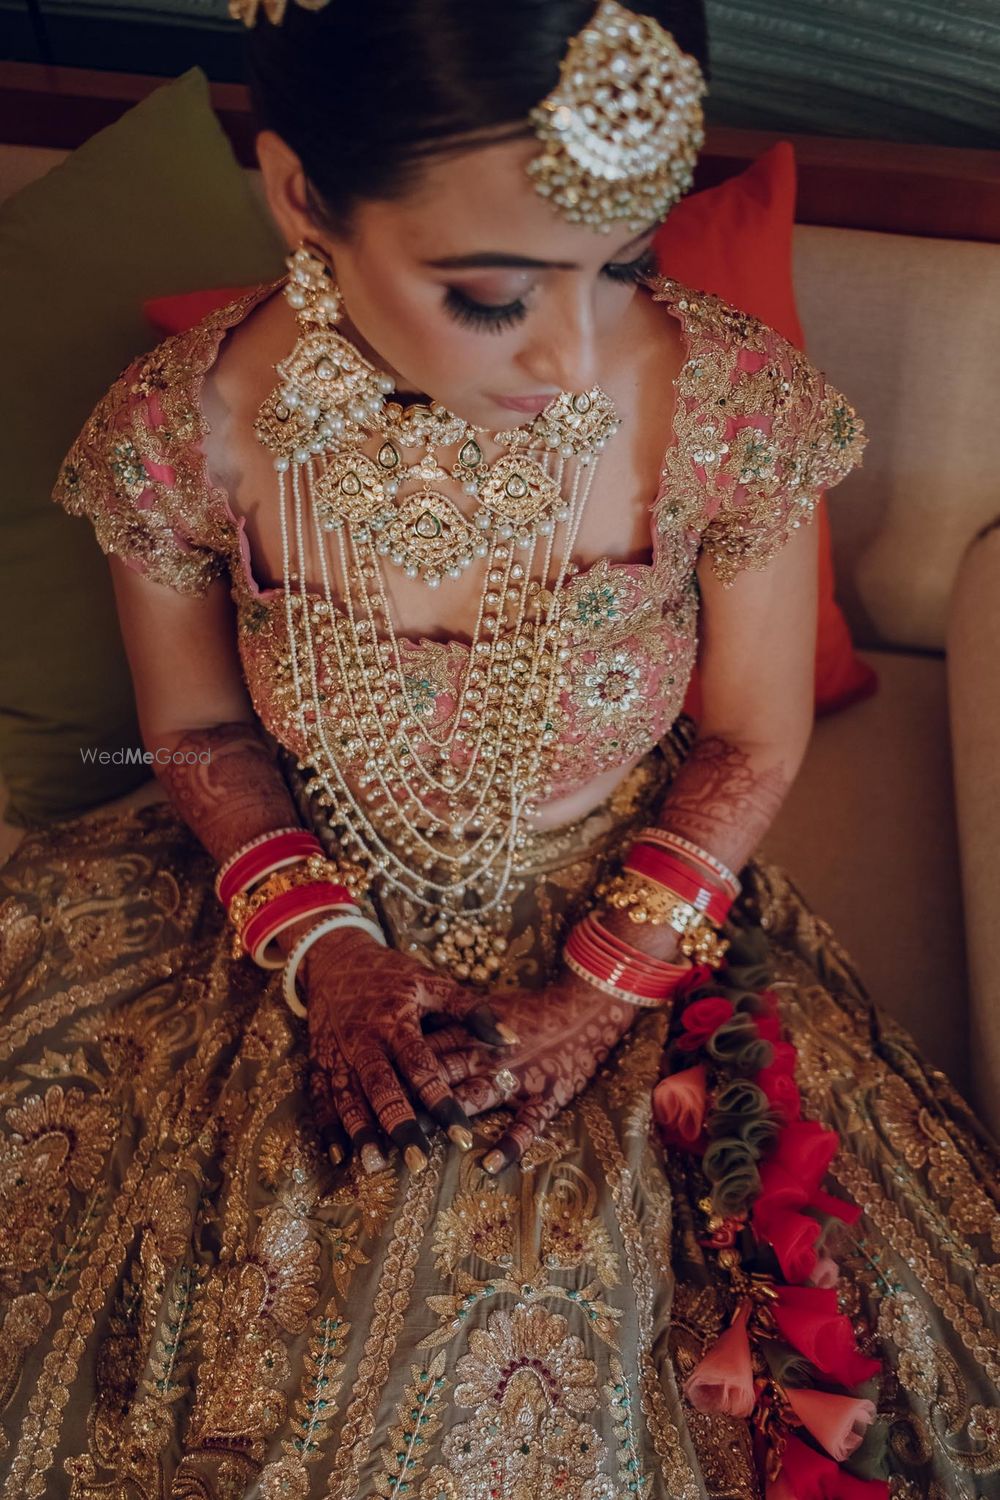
[728,1096]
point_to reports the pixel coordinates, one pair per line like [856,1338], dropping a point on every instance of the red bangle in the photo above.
[617,992]
[624,981]
[606,958]
[262,858]
[613,950]
[654,864]
[700,860]
[284,910]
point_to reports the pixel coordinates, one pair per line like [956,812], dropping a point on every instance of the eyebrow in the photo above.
[485,258]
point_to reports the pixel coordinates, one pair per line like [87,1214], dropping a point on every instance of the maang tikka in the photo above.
[620,132]
[437,810]
[622,129]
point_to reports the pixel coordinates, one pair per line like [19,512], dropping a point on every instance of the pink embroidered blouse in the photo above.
[758,433]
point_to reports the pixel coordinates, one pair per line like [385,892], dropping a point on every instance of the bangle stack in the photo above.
[262,856]
[664,880]
[603,960]
[700,859]
[272,883]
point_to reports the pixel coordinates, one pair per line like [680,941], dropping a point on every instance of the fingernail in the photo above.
[461,1136]
[372,1159]
[494,1161]
[415,1158]
[335,1154]
[506,1033]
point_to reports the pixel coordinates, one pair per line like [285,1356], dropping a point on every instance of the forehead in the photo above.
[482,199]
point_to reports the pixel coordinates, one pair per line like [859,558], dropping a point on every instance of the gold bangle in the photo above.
[246,903]
[647,901]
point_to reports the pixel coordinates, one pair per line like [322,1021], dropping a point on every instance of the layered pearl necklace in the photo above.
[438,814]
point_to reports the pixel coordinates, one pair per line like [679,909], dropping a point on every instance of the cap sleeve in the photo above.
[135,473]
[789,436]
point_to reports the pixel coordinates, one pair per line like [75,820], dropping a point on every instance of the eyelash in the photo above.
[495,318]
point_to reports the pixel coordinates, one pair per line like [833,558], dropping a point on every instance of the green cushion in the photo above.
[154,204]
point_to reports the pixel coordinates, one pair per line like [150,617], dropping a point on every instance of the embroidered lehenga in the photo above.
[197,1304]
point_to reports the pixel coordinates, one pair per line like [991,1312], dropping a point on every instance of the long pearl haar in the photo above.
[488,764]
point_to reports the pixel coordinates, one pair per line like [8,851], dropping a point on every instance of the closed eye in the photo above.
[494,317]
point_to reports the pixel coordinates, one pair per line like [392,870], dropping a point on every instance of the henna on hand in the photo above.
[365,1005]
[567,1031]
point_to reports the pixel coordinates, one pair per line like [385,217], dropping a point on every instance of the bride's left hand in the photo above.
[565,1032]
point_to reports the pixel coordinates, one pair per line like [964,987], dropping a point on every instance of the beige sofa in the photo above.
[893,827]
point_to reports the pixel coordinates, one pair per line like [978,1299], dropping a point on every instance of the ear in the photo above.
[285,188]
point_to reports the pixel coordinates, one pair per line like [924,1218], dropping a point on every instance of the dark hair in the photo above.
[364,90]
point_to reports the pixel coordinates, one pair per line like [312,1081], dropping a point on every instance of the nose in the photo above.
[563,347]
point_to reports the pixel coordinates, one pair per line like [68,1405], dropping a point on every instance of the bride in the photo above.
[434,1097]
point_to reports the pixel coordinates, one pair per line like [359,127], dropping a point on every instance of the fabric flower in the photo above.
[825,1274]
[808,1318]
[697,976]
[702,1019]
[785,1058]
[793,1237]
[812,1476]
[768,1027]
[722,1380]
[679,1103]
[781,1091]
[838,1422]
[805,1150]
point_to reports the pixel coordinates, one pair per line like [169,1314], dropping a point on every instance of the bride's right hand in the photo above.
[365,1004]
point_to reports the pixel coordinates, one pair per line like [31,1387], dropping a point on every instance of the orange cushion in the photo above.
[734,240]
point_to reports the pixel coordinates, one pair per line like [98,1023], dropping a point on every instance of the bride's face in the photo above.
[472,289]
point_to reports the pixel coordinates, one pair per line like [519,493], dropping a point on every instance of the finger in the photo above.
[480,1017]
[387,1097]
[333,1136]
[421,1068]
[451,1038]
[462,1063]
[478,1094]
[527,1126]
[356,1117]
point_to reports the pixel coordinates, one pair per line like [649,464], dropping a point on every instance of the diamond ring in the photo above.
[506,1081]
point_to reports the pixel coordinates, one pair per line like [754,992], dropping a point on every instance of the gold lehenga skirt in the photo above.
[196,1305]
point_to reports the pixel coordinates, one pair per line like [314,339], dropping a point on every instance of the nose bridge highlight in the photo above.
[564,350]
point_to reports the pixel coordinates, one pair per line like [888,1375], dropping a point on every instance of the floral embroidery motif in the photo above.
[56,1142]
[421,694]
[405,1453]
[475,1224]
[599,604]
[531,1385]
[610,686]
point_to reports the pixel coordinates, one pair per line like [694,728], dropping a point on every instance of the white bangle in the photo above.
[305,942]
